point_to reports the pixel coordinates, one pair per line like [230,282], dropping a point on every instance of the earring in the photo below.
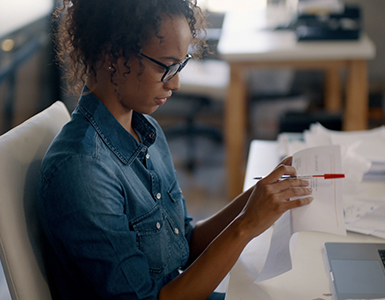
[110,68]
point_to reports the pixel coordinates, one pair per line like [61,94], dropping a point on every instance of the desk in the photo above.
[308,279]
[247,41]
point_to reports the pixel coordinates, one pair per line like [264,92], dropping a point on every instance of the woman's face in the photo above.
[144,93]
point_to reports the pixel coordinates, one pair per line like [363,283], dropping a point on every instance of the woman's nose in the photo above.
[173,84]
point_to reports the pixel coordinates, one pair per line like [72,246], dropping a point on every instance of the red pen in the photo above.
[325,176]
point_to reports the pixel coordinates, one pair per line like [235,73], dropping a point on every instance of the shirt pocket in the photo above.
[154,239]
[175,194]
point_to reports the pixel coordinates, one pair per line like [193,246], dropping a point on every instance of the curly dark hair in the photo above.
[91,29]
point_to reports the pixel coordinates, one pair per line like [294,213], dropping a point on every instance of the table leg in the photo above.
[333,95]
[235,130]
[356,106]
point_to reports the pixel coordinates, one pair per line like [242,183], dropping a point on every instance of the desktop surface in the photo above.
[308,277]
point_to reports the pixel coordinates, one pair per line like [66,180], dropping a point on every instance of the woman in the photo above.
[110,205]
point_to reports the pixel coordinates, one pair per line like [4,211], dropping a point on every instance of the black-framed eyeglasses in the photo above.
[172,70]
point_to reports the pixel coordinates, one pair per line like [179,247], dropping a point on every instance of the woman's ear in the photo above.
[108,63]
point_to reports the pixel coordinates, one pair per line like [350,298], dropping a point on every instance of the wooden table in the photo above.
[248,42]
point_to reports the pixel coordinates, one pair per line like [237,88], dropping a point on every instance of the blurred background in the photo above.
[30,80]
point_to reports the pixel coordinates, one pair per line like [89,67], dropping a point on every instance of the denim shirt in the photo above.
[113,215]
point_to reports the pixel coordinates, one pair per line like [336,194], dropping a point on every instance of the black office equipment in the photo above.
[328,27]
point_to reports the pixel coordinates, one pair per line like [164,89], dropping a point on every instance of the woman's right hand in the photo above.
[270,198]
[218,241]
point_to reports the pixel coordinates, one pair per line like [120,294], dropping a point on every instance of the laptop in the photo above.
[356,270]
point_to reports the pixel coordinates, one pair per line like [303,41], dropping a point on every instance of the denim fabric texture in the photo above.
[114,217]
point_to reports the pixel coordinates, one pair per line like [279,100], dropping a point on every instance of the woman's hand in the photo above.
[270,198]
[218,241]
[287,161]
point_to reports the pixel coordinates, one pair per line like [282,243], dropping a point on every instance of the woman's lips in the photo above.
[161,101]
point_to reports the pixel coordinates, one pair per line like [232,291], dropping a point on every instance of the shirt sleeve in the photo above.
[84,213]
[189,228]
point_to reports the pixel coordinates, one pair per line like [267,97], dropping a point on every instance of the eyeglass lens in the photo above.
[171,72]
[174,69]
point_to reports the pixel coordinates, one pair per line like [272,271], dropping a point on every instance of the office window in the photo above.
[17,14]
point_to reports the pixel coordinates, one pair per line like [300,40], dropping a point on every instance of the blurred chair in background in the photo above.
[203,83]
[21,152]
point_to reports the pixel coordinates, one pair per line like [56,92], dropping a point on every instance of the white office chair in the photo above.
[21,152]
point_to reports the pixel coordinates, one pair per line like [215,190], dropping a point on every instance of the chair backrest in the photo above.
[21,152]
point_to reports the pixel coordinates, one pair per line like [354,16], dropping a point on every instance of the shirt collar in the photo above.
[118,139]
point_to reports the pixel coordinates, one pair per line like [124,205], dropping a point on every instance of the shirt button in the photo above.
[176,230]
[158,225]
[147,156]
[151,135]
[158,196]
[144,149]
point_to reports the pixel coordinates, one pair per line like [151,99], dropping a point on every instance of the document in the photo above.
[324,214]
[365,215]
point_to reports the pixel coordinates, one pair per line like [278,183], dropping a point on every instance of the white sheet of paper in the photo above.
[324,214]
[373,223]
[372,142]
[365,215]
[357,210]
[281,246]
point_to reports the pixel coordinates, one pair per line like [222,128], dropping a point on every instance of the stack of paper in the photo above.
[365,215]
[363,158]
[363,152]
[369,144]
